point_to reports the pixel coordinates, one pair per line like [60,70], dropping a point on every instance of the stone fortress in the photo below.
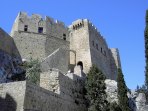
[46,39]
[66,55]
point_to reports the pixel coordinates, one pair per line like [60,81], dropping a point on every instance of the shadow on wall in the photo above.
[7,103]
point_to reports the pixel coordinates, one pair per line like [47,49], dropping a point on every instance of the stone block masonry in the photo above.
[25,96]
[66,55]
[38,38]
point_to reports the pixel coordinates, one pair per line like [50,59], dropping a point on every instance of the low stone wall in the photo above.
[69,86]
[25,96]
[39,99]
[12,96]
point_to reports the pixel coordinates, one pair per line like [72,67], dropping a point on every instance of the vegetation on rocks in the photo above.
[33,70]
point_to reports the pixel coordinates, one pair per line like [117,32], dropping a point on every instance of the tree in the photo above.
[33,71]
[95,90]
[122,92]
[146,55]
[114,107]
[146,50]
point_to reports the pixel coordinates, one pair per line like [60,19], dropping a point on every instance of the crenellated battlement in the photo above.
[38,17]
[35,23]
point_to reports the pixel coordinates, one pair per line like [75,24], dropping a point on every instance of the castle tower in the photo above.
[90,48]
[79,42]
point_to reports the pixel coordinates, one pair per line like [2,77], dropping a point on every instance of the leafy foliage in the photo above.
[146,50]
[114,107]
[33,71]
[95,90]
[122,92]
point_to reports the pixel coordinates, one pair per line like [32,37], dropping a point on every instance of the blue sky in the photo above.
[121,22]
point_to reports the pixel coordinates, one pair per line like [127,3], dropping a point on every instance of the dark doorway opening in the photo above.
[40,30]
[80,63]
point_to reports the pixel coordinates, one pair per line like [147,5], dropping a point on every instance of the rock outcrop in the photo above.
[111,90]
[137,102]
[9,57]
[141,102]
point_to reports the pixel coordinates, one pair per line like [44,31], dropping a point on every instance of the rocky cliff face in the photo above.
[9,57]
[137,102]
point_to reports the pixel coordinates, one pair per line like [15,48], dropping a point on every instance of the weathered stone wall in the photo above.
[25,96]
[99,51]
[116,56]
[79,42]
[90,48]
[38,45]
[59,59]
[12,96]
[43,100]
[50,26]
[85,43]
[30,45]
[53,43]
[9,57]
[69,86]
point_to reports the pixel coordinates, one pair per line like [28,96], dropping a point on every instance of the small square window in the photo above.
[64,36]
[101,50]
[40,29]
[26,28]
[93,43]
[97,46]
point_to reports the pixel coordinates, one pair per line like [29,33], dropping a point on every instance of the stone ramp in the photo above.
[58,59]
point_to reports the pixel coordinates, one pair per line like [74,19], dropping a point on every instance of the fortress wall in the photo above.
[25,96]
[41,99]
[116,56]
[59,59]
[12,96]
[56,28]
[64,85]
[32,22]
[30,45]
[37,46]
[49,26]
[100,53]
[113,66]
[53,43]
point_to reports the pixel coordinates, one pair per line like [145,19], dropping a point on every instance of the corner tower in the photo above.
[90,48]
[79,44]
